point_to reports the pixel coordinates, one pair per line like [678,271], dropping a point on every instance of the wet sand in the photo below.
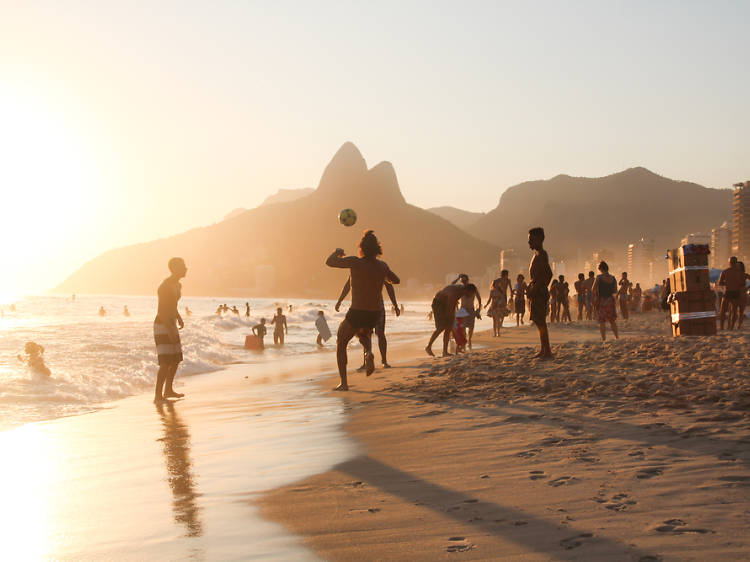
[636,449]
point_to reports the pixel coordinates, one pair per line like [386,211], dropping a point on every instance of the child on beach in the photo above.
[260,331]
[459,330]
[324,332]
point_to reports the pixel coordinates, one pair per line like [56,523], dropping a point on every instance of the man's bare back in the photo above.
[368,276]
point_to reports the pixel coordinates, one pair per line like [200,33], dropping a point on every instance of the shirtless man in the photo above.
[540,273]
[279,327]
[580,295]
[503,285]
[563,301]
[623,295]
[444,313]
[380,326]
[166,332]
[588,287]
[467,303]
[367,274]
[733,281]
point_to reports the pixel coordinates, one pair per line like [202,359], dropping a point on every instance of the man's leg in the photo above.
[613,323]
[343,336]
[546,351]
[471,333]
[382,346]
[603,330]
[433,337]
[161,376]
[275,338]
[168,390]
[446,339]
[723,312]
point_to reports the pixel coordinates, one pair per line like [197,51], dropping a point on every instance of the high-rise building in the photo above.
[741,221]
[640,262]
[721,245]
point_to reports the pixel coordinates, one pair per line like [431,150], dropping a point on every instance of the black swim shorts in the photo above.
[362,319]
[539,306]
[443,318]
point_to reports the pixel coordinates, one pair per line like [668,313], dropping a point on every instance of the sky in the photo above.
[122,122]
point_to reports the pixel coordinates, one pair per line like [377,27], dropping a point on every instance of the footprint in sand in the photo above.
[678,527]
[575,541]
[562,481]
[537,474]
[458,547]
[649,472]
[529,453]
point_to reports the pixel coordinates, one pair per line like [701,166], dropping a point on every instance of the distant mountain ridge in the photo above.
[280,249]
[582,215]
[462,219]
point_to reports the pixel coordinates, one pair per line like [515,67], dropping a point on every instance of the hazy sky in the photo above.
[122,122]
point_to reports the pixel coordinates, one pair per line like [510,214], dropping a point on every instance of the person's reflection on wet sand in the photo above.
[176,443]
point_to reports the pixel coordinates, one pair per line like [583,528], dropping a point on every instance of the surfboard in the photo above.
[323,329]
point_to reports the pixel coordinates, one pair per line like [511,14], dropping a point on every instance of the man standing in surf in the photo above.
[367,274]
[166,331]
[541,274]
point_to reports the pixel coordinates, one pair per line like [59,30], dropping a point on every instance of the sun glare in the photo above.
[47,178]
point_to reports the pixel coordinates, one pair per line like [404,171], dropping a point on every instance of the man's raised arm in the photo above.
[337,259]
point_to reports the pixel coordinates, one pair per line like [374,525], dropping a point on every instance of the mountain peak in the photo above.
[345,164]
[382,178]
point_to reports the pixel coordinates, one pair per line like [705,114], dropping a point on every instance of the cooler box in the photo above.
[253,342]
[688,268]
[692,315]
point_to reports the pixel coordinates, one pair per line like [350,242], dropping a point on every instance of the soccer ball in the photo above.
[347,217]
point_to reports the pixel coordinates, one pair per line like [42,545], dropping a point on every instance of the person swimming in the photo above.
[34,359]
[102,311]
[125,311]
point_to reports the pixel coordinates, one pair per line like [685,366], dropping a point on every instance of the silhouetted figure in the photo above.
[444,313]
[380,326]
[563,299]
[167,324]
[588,287]
[554,310]
[502,287]
[636,294]
[733,281]
[580,294]
[623,295]
[467,303]
[176,448]
[125,311]
[279,327]
[519,299]
[188,312]
[260,330]
[73,298]
[34,359]
[367,274]
[102,311]
[235,311]
[247,310]
[605,288]
[540,273]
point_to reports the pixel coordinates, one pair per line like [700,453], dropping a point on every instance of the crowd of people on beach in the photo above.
[454,308]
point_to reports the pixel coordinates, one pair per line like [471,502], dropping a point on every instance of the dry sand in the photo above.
[635,449]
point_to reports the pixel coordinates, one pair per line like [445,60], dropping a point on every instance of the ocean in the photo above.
[95,360]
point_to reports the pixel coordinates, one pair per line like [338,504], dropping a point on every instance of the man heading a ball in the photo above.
[367,274]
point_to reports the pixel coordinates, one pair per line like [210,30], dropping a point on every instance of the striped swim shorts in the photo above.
[168,345]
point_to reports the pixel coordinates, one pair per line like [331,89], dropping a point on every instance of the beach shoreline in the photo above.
[135,480]
[458,459]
